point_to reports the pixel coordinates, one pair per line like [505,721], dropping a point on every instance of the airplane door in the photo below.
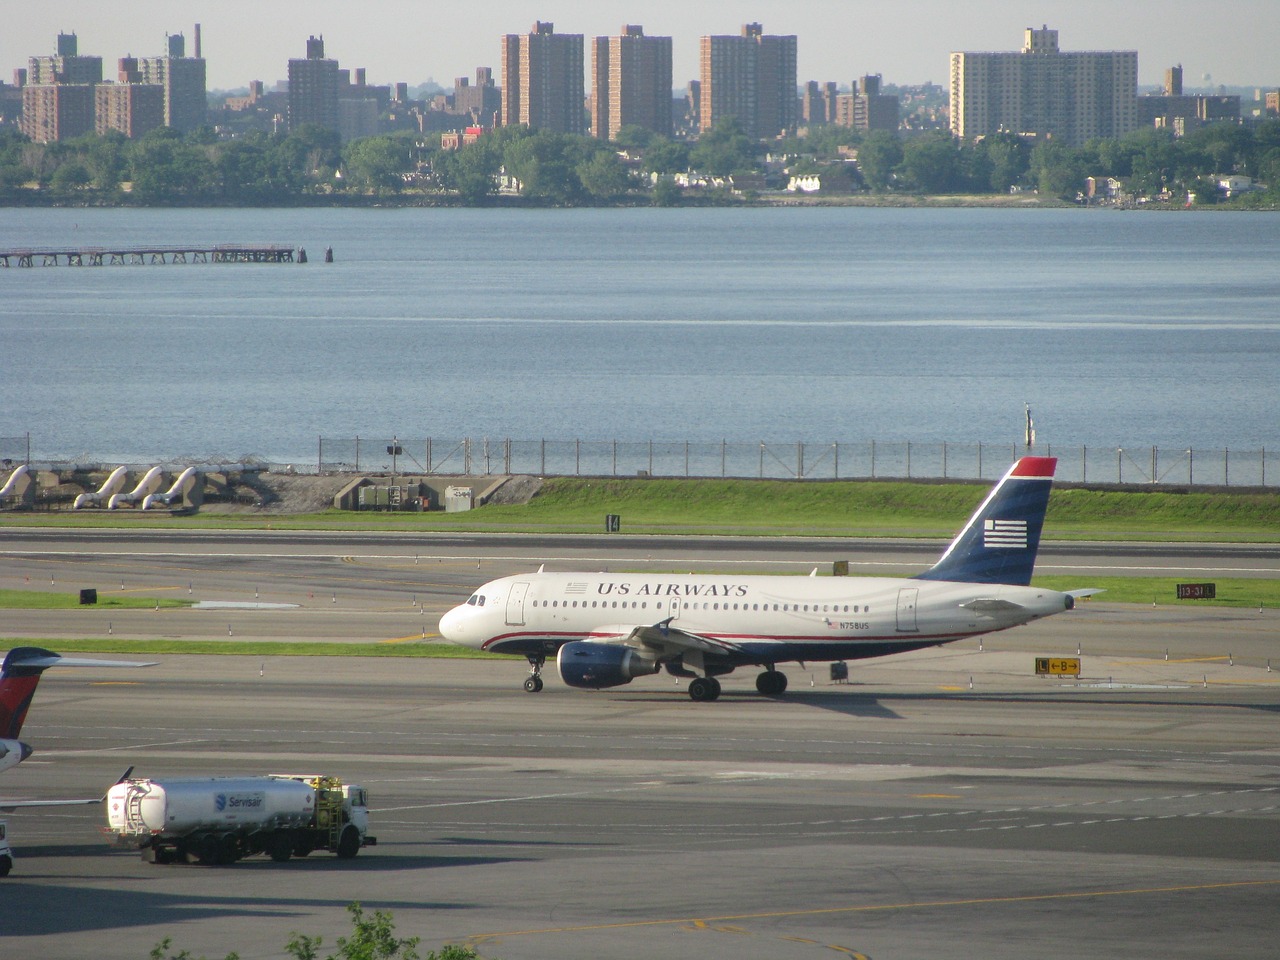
[907,597]
[515,604]
[673,611]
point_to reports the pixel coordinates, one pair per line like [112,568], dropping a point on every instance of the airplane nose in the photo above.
[450,624]
[25,749]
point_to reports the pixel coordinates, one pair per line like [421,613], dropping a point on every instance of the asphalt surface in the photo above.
[947,803]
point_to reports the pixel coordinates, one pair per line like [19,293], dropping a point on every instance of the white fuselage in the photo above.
[773,619]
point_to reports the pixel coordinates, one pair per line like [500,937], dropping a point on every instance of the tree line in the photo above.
[311,165]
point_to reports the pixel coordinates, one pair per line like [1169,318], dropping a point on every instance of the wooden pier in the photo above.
[109,256]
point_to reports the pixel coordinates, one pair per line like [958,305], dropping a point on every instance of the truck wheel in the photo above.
[6,864]
[280,846]
[207,850]
[150,854]
[348,842]
[228,849]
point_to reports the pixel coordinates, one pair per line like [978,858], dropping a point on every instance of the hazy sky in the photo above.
[907,41]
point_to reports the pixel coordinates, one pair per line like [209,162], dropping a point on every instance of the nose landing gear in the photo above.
[533,683]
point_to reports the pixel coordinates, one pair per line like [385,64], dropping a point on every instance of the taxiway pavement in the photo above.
[946,803]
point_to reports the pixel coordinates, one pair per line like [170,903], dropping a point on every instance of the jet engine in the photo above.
[594,665]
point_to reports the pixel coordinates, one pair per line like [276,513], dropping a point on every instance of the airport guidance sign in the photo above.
[1057,666]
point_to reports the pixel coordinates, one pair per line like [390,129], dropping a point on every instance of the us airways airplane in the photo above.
[19,676]
[606,629]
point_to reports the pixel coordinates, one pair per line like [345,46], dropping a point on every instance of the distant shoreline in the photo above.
[886,201]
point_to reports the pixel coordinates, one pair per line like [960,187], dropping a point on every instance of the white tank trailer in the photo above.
[219,820]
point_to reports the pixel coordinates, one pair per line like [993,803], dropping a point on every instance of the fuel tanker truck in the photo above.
[219,820]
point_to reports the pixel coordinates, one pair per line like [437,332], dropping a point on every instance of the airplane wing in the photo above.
[7,806]
[667,641]
[35,658]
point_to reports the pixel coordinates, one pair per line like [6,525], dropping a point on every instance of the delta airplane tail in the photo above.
[18,680]
[19,677]
[20,674]
[999,543]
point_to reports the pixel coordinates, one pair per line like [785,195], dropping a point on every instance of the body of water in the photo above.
[816,324]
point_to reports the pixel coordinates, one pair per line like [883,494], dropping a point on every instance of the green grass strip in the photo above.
[846,508]
[257,648]
[1162,591]
[51,600]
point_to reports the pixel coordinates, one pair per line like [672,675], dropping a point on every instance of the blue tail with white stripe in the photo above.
[999,543]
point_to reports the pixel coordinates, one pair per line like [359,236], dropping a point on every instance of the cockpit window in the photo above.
[475,600]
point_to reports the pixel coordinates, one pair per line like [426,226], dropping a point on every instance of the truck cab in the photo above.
[6,852]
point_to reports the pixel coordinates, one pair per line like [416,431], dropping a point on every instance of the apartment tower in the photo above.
[66,66]
[313,88]
[867,108]
[542,74]
[58,98]
[1042,91]
[630,83]
[183,79]
[751,77]
[128,106]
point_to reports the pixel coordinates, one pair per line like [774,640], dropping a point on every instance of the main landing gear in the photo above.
[533,684]
[704,689]
[772,682]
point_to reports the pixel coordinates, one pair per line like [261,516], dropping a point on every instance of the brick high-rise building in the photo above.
[183,81]
[542,80]
[57,111]
[481,101]
[67,66]
[58,97]
[818,103]
[630,83]
[313,88]
[751,77]
[130,107]
[1042,91]
[867,108]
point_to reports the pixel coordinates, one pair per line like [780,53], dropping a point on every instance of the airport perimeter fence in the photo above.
[858,460]
[870,459]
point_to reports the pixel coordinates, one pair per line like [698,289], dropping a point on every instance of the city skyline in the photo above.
[401,40]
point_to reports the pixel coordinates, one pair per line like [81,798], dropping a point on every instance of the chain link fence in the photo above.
[870,459]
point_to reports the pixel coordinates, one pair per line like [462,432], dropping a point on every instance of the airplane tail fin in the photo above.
[999,543]
[18,679]
[19,675]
